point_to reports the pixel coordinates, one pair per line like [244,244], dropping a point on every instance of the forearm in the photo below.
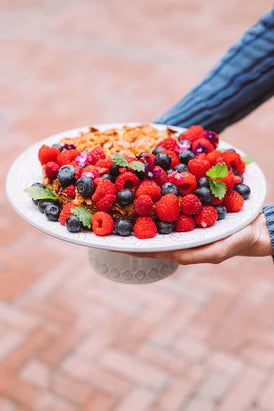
[241,81]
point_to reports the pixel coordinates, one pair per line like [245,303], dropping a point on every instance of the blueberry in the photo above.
[73,224]
[242,189]
[221,211]
[37,185]
[231,149]
[204,194]
[85,186]
[185,156]
[114,170]
[125,197]
[123,227]
[66,175]
[42,204]
[163,160]
[157,150]
[168,188]
[140,174]
[52,212]
[203,182]
[108,177]
[241,176]
[181,167]
[164,227]
[186,143]
[58,146]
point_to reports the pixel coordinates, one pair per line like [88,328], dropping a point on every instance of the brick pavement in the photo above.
[201,340]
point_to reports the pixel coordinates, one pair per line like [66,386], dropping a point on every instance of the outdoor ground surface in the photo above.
[201,340]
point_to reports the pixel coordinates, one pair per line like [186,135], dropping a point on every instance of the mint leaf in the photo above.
[137,166]
[83,215]
[217,188]
[217,171]
[40,193]
[247,159]
[120,160]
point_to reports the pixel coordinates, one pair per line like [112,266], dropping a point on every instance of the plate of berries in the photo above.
[136,187]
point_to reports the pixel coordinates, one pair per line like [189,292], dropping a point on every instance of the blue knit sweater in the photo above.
[241,81]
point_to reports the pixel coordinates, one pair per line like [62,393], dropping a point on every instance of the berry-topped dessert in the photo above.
[139,181]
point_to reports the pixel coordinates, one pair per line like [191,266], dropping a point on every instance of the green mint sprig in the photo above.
[40,193]
[83,215]
[217,172]
[122,162]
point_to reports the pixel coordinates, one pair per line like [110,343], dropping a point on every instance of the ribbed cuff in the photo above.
[269,216]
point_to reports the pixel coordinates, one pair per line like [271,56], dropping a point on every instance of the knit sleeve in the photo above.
[269,216]
[241,81]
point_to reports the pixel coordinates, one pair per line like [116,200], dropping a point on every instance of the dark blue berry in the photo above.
[163,160]
[157,150]
[42,204]
[187,143]
[73,224]
[108,177]
[85,186]
[203,182]
[221,211]
[181,167]
[140,174]
[66,175]
[37,185]
[242,189]
[114,169]
[58,146]
[204,195]
[125,197]
[164,227]
[52,212]
[185,156]
[123,227]
[168,188]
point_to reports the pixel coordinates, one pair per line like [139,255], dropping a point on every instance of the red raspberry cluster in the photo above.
[170,189]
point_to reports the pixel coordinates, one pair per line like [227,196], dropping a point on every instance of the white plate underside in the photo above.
[26,170]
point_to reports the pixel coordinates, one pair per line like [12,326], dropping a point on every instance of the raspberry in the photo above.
[51,170]
[96,154]
[161,176]
[145,227]
[143,205]
[102,223]
[203,144]
[207,216]
[233,201]
[199,166]
[66,212]
[174,158]
[70,191]
[127,180]
[189,184]
[67,156]
[188,135]
[168,143]
[215,157]
[234,159]
[167,208]
[78,172]
[106,203]
[130,159]
[47,153]
[150,188]
[149,158]
[103,187]
[191,204]
[215,200]
[196,130]
[185,223]
[104,163]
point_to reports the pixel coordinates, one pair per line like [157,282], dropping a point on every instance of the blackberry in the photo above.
[125,197]
[169,188]
[85,186]
[123,227]
[185,156]
[163,160]
[204,194]
[66,175]
[242,189]
[73,224]
[52,212]
[164,227]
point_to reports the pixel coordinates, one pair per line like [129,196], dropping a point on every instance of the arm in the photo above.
[241,81]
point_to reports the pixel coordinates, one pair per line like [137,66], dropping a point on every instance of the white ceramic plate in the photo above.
[26,170]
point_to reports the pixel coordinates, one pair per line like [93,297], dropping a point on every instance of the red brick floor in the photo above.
[201,340]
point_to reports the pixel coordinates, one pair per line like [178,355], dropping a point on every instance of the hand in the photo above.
[253,240]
